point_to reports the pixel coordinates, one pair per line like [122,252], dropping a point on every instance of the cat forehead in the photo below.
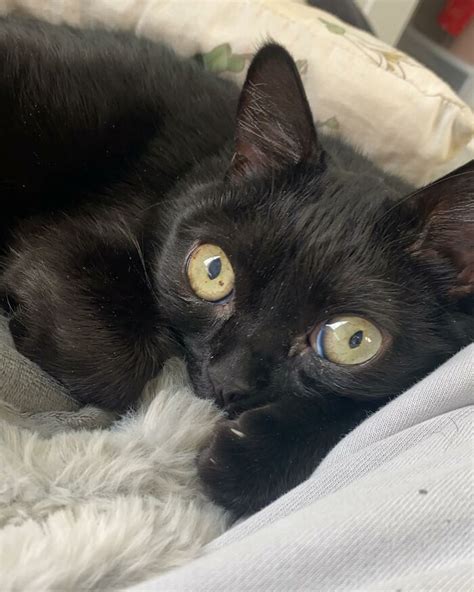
[303,223]
[313,237]
[310,218]
[285,201]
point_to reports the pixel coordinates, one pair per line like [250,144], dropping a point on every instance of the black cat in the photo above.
[142,218]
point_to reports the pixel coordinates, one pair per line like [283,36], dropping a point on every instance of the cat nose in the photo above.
[228,389]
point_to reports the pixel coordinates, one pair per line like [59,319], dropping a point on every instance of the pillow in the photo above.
[399,113]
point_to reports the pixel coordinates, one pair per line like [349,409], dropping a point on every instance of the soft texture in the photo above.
[397,111]
[29,398]
[389,509]
[107,508]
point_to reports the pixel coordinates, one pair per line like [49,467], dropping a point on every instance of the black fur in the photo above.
[117,157]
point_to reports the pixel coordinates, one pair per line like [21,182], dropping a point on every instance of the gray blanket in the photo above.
[31,399]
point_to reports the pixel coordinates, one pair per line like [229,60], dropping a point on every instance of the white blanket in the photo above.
[390,509]
[105,508]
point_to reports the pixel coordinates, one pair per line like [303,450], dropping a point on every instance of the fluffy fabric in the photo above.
[107,508]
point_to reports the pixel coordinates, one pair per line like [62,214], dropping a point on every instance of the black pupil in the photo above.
[214,267]
[356,339]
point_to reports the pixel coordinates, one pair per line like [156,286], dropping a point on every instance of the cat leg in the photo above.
[267,451]
[84,307]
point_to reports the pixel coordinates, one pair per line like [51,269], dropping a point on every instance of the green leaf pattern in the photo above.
[221,59]
[333,27]
[331,124]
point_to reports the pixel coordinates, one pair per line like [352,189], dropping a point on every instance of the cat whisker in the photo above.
[134,241]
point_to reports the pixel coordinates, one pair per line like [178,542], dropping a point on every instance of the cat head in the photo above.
[303,271]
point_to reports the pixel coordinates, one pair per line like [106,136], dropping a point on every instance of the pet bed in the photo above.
[89,502]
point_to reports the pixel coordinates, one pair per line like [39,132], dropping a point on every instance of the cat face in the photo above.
[294,277]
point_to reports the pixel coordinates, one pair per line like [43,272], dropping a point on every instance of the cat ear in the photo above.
[445,210]
[275,127]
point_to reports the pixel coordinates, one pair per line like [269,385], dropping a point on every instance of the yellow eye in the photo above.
[210,273]
[347,340]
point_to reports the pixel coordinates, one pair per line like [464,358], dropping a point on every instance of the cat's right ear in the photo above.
[275,127]
[444,211]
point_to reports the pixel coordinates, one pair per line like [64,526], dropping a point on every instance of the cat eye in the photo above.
[347,340]
[210,273]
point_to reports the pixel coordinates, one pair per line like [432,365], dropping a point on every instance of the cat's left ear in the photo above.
[445,210]
[275,127]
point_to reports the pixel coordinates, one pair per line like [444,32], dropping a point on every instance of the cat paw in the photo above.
[240,465]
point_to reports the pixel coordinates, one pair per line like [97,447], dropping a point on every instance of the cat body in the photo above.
[122,163]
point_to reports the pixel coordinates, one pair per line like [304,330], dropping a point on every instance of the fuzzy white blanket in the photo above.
[106,508]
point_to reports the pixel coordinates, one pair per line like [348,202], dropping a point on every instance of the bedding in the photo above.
[103,508]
